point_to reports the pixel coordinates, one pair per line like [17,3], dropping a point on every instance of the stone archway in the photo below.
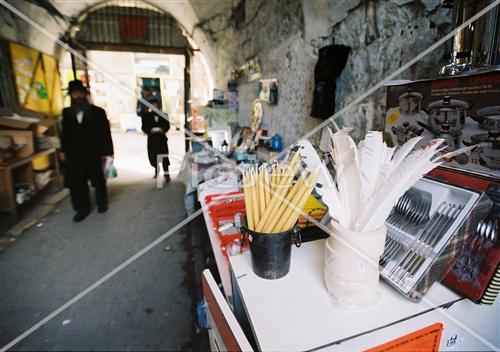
[132,26]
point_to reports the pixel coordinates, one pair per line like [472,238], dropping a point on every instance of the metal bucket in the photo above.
[271,252]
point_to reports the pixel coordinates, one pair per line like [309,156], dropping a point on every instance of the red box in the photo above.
[223,209]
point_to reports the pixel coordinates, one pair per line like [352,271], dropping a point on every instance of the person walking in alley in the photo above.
[85,145]
[156,128]
[145,94]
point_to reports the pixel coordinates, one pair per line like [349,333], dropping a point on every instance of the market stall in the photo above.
[405,252]
[411,242]
[29,133]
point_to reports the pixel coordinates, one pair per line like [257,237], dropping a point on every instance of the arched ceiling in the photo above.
[114,25]
[182,11]
[191,15]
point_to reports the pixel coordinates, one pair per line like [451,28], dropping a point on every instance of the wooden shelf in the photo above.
[20,171]
[22,161]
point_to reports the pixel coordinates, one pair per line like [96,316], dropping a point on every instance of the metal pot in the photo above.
[404,132]
[410,102]
[489,118]
[452,138]
[476,45]
[488,148]
[448,115]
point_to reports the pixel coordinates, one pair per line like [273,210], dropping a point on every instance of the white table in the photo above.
[208,188]
[296,312]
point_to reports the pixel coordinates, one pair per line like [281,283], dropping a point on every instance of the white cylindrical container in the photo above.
[351,264]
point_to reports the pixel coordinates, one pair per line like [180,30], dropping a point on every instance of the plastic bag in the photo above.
[109,169]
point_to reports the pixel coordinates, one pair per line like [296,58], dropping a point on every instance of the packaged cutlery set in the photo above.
[446,229]
[476,270]
[425,232]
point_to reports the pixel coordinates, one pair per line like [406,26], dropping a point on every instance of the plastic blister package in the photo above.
[425,231]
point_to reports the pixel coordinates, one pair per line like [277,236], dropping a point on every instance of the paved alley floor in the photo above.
[147,306]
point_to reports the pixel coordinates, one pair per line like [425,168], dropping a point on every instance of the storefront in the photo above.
[400,249]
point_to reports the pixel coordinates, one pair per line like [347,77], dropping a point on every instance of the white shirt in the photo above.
[79,117]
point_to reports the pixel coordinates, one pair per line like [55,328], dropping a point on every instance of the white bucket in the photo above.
[351,264]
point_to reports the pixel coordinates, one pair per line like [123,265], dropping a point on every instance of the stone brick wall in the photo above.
[293,67]
[384,35]
[286,36]
[272,31]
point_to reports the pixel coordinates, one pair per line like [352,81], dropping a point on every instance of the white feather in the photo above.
[326,186]
[313,163]
[372,153]
[345,155]
[459,151]
[370,178]
[393,159]
[409,171]
[404,150]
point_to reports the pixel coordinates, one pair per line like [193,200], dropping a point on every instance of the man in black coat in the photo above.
[85,144]
[156,128]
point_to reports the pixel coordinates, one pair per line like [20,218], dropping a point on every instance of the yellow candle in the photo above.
[281,191]
[267,188]
[262,191]
[274,179]
[291,199]
[298,210]
[248,202]
[255,199]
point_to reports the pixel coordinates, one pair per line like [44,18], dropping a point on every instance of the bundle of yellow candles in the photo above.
[273,201]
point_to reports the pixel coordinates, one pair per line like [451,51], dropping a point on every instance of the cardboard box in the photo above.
[24,138]
[464,110]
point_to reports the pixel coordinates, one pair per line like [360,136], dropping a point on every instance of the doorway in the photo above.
[121,80]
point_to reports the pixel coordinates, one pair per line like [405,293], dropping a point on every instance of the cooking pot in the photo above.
[488,148]
[410,102]
[404,132]
[476,45]
[447,132]
[448,114]
[489,118]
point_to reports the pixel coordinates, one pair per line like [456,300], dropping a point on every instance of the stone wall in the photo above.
[384,35]
[273,32]
[286,36]
[16,29]
[293,68]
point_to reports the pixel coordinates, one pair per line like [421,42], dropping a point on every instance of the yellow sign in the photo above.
[37,80]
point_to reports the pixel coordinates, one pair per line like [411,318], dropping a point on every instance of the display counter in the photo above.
[297,313]
[205,189]
[192,173]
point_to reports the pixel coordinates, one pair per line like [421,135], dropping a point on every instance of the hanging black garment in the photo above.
[331,61]
[157,141]
[84,145]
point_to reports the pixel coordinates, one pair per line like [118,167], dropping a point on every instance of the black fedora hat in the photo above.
[76,85]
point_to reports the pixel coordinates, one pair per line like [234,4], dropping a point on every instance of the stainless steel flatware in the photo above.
[429,226]
[417,259]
